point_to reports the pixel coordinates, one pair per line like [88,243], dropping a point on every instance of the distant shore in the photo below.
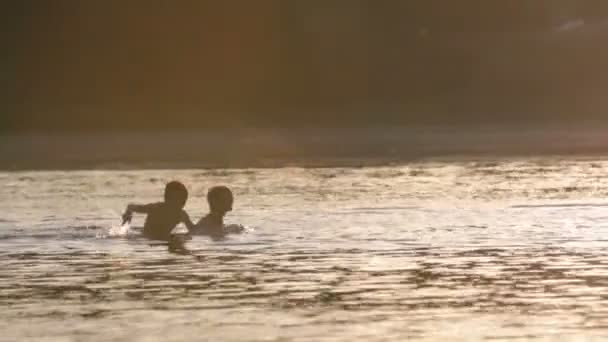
[280,147]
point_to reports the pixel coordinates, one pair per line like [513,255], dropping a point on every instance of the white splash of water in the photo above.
[117,231]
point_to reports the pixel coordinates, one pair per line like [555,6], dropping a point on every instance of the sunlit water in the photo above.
[437,251]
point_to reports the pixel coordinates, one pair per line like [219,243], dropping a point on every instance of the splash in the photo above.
[123,230]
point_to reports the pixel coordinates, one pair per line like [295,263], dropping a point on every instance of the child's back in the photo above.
[162,217]
[161,220]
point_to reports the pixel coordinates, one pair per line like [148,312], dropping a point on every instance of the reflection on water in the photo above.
[432,251]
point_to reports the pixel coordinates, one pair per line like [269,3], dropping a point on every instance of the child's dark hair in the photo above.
[176,192]
[218,193]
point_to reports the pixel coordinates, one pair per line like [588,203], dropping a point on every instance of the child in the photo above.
[220,202]
[162,217]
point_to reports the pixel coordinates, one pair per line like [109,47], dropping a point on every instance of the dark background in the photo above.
[158,65]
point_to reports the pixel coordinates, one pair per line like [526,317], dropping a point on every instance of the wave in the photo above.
[561,205]
[74,233]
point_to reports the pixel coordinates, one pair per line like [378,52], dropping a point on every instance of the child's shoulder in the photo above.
[203,226]
[155,206]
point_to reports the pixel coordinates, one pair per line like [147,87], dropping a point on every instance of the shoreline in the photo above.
[282,147]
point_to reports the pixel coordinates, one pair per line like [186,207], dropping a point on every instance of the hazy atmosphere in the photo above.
[122,65]
[304,170]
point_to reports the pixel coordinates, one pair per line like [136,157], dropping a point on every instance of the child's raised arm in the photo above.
[135,208]
[185,219]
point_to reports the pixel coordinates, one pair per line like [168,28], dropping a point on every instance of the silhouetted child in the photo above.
[162,217]
[220,200]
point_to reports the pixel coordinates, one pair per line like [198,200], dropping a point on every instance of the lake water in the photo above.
[431,251]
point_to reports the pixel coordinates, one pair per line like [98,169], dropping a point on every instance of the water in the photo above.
[458,250]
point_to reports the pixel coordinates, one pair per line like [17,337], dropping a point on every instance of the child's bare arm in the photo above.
[135,208]
[185,219]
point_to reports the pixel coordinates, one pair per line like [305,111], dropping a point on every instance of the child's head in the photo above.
[176,194]
[220,199]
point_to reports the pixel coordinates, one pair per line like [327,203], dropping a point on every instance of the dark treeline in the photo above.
[161,64]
